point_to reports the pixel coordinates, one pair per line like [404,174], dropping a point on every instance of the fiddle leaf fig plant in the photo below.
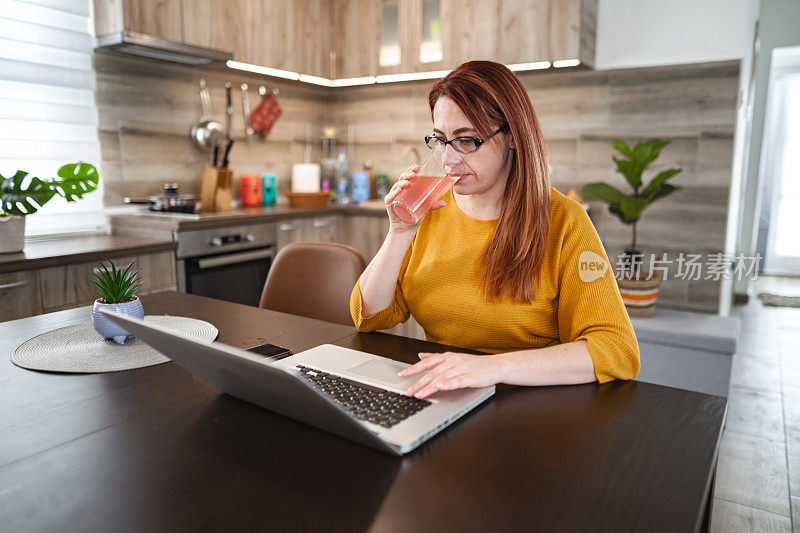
[629,207]
[23,194]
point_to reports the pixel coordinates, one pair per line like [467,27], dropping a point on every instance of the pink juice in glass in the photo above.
[418,197]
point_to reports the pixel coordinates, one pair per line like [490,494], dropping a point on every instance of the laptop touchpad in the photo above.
[385,371]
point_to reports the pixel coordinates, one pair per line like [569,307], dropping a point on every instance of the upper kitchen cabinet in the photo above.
[216,24]
[473,30]
[313,29]
[394,47]
[290,35]
[356,38]
[573,30]
[159,18]
[524,31]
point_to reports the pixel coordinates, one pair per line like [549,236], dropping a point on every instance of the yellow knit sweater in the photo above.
[440,285]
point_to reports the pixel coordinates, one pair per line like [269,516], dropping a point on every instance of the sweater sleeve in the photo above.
[395,313]
[590,306]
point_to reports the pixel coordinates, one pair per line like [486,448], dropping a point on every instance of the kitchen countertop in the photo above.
[74,250]
[127,217]
[138,231]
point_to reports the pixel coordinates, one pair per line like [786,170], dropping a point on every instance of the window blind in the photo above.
[48,115]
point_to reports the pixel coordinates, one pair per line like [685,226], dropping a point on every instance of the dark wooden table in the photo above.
[155,449]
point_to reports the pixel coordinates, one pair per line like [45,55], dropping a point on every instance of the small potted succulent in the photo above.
[639,288]
[116,291]
[22,195]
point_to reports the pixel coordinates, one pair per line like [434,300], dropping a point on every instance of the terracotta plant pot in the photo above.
[12,234]
[640,292]
[107,328]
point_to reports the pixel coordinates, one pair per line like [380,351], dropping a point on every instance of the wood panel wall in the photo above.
[581,113]
[147,108]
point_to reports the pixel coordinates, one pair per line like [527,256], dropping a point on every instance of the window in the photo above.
[48,115]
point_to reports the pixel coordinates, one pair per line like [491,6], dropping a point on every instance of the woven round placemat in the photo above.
[80,349]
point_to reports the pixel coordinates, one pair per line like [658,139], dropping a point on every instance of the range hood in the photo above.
[157,48]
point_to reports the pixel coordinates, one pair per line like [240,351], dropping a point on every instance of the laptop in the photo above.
[352,394]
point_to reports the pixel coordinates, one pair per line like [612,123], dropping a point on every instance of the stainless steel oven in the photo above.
[228,263]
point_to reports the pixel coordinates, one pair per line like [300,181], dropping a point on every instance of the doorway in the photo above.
[779,221]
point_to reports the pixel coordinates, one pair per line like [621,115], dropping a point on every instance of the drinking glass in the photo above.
[424,189]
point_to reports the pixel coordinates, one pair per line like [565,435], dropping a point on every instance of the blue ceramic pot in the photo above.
[109,330]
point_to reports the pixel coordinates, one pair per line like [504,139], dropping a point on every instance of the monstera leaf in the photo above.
[76,180]
[23,194]
[20,196]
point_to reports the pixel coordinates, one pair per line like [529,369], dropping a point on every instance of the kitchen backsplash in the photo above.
[147,108]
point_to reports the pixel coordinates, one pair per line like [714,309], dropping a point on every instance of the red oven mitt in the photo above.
[265,115]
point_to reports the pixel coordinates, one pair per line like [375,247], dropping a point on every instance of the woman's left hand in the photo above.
[448,371]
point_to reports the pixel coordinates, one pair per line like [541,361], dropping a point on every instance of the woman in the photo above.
[495,266]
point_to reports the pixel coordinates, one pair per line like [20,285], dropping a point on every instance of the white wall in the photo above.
[639,33]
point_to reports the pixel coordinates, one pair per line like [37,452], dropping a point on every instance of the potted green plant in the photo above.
[116,291]
[639,288]
[22,195]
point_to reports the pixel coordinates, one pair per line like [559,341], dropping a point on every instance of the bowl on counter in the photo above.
[308,199]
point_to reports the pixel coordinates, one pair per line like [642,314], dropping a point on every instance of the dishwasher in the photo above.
[227,263]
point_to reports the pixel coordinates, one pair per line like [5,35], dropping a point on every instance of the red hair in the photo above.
[491,96]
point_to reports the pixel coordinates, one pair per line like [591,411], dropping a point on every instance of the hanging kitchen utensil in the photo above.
[248,129]
[267,112]
[206,133]
[228,111]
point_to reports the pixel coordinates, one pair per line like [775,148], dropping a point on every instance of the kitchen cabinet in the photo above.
[355,38]
[524,31]
[70,286]
[573,29]
[19,295]
[366,234]
[214,23]
[159,18]
[33,292]
[327,228]
[312,27]
[509,31]
[290,35]
[310,229]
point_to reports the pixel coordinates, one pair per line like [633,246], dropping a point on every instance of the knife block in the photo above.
[215,192]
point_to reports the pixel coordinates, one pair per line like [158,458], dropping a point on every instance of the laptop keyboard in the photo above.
[379,406]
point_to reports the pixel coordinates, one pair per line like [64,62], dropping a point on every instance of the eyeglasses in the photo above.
[464,145]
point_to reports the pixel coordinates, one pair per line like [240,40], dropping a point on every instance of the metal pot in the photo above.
[170,201]
[207,133]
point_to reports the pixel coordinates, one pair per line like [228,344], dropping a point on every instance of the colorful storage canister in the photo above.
[268,181]
[360,187]
[250,190]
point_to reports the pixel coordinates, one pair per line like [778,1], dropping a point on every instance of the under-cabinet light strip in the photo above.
[520,67]
[386,78]
[348,82]
[316,80]
[561,63]
[258,69]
